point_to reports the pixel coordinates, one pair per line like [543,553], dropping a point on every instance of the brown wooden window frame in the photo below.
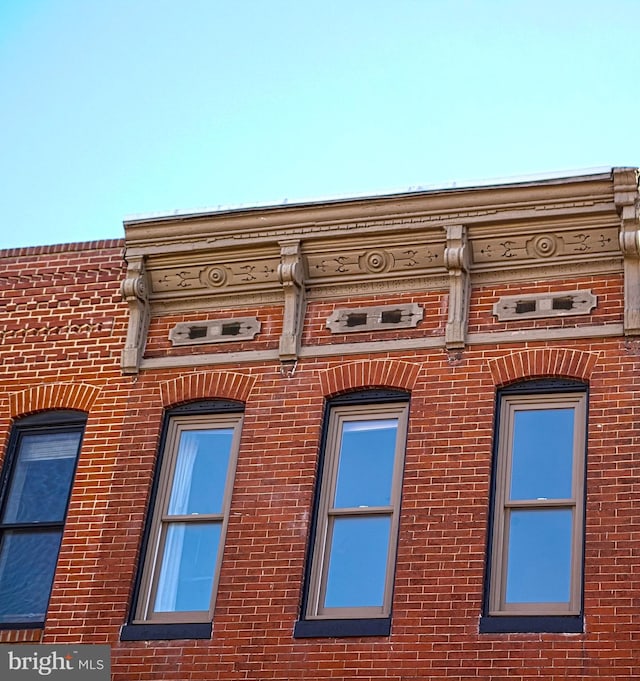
[178,424]
[535,616]
[316,619]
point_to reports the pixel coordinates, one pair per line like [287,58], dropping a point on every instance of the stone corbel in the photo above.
[291,276]
[625,186]
[456,260]
[134,291]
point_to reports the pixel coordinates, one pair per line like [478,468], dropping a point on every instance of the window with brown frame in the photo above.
[536,551]
[355,534]
[186,535]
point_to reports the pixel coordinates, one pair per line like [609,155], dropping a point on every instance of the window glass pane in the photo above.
[188,565]
[365,469]
[542,454]
[358,562]
[41,478]
[539,556]
[27,565]
[200,474]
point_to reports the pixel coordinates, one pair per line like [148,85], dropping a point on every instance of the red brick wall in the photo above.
[608,291]
[63,328]
[159,345]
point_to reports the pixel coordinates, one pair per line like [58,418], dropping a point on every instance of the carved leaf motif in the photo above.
[580,243]
[182,279]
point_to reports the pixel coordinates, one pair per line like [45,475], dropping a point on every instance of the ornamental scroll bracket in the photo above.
[291,276]
[625,186]
[134,291]
[456,260]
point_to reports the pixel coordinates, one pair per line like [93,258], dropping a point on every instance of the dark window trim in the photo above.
[166,632]
[195,408]
[498,624]
[16,626]
[45,420]
[380,626]
[532,624]
[49,421]
[307,628]
[543,385]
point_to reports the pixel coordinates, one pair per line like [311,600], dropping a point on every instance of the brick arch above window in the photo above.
[80,396]
[543,362]
[209,385]
[382,373]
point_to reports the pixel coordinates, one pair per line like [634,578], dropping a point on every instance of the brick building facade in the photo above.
[383,438]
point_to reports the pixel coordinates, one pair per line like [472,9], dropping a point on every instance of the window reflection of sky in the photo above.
[28,561]
[357,567]
[542,454]
[365,469]
[539,557]
[186,575]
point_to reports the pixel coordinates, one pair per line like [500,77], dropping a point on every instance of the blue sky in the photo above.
[111,108]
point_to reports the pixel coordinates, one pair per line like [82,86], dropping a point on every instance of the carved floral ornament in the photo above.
[408,261]
[265,272]
[218,276]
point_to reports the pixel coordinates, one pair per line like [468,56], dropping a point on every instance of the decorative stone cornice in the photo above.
[407,213]
[430,240]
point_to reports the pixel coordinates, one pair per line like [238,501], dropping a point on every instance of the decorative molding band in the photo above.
[214,331]
[397,345]
[542,305]
[610,264]
[348,289]
[209,359]
[135,291]
[554,334]
[90,274]
[549,244]
[405,213]
[379,258]
[375,318]
[229,272]
[26,332]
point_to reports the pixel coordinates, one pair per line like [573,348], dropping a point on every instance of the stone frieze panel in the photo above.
[545,246]
[216,277]
[364,263]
